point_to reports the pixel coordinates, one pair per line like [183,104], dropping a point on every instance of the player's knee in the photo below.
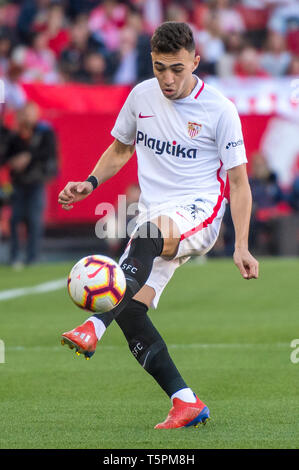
[171,235]
[160,237]
[148,239]
[170,248]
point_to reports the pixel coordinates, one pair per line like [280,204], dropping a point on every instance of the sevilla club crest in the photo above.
[193,129]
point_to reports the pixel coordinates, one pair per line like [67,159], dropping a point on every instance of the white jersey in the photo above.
[184,147]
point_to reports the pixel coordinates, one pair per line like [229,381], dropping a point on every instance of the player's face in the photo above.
[174,72]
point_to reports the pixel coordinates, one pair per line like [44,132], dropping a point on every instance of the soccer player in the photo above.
[187,137]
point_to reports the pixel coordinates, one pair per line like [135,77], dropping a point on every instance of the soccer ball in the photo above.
[96,283]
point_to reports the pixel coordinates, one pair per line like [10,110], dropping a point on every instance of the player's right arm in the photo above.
[112,160]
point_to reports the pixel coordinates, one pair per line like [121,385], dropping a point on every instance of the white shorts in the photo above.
[199,224]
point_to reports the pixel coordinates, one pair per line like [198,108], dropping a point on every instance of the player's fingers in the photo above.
[242,269]
[69,189]
[256,270]
[253,271]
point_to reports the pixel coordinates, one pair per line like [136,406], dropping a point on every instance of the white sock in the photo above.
[99,326]
[185,394]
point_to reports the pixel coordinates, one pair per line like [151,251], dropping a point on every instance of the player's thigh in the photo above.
[161,273]
[198,224]
[171,235]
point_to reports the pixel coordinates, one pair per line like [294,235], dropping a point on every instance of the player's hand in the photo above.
[246,263]
[74,192]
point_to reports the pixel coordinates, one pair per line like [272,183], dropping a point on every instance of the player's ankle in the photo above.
[185,394]
[99,326]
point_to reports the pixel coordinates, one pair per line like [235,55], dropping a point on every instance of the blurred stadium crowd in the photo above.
[100,42]
[94,41]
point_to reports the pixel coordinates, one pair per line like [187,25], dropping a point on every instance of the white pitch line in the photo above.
[38,289]
[171,346]
[230,345]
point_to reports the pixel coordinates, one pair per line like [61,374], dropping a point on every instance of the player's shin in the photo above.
[149,348]
[137,266]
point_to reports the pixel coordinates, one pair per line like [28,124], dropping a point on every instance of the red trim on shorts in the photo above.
[128,244]
[216,208]
[199,92]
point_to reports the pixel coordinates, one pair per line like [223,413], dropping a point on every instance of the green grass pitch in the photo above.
[230,338]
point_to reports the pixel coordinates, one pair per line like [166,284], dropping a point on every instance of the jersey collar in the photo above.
[195,93]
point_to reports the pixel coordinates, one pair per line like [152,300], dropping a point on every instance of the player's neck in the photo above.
[190,89]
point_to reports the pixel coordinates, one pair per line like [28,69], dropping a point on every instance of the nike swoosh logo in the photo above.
[142,116]
[91,276]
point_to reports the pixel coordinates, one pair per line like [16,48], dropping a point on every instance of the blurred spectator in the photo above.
[255,14]
[69,34]
[234,43]
[32,158]
[126,72]
[294,195]
[143,47]
[5,188]
[284,18]
[210,44]
[6,45]
[5,134]
[94,71]
[176,12]
[294,66]
[248,64]
[229,19]
[264,185]
[133,66]
[33,17]
[267,197]
[15,96]
[38,61]
[152,12]
[57,30]
[199,12]
[78,7]
[276,59]
[82,42]
[106,21]
[9,12]
[293,41]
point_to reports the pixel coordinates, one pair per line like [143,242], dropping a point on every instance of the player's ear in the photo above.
[196,62]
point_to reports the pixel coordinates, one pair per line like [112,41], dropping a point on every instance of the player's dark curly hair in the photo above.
[172,36]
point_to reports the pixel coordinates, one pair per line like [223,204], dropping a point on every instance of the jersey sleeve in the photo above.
[125,126]
[229,138]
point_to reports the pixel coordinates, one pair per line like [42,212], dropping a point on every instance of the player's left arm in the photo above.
[240,204]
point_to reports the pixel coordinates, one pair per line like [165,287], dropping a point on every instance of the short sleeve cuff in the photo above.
[122,138]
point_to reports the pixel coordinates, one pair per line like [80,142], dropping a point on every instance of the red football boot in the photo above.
[184,414]
[83,338]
